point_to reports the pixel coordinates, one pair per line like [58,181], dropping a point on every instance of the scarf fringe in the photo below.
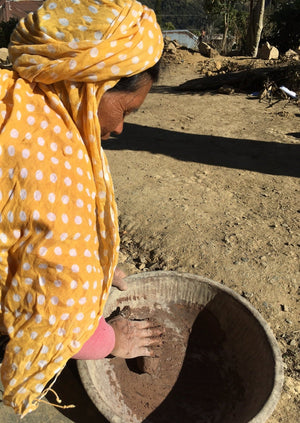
[58,400]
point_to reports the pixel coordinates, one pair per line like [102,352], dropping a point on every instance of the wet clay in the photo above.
[193,379]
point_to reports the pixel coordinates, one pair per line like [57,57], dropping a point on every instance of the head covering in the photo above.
[58,229]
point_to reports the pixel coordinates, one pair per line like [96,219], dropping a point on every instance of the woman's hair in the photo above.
[133,83]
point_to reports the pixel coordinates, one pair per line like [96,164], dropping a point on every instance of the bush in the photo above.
[6,28]
[284,26]
[168,26]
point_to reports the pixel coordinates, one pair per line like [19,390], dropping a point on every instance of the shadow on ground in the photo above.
[272,158]
[71,391]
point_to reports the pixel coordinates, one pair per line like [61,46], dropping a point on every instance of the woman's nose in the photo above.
[119,129]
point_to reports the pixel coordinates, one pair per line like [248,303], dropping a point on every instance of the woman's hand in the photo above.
[135,338]
[118,280]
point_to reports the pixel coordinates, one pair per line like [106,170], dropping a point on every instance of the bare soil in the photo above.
[207,183]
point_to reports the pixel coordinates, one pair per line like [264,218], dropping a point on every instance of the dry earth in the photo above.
[207,184]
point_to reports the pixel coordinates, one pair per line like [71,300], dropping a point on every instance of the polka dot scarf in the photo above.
[58,219]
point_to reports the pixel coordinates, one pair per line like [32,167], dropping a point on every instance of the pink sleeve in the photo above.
[99,345]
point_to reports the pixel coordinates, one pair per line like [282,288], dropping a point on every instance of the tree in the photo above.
[230,12]
[157,9]
[282,27]
[168,26]
[255,26]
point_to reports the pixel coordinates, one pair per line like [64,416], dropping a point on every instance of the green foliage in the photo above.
[229,17]
[6,28]
[235,12]
[157,8]
[239,29]
[183,14]
[168,26]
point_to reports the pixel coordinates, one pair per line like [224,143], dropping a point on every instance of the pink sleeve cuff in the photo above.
[99,345]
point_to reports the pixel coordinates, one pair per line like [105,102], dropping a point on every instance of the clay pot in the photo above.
[229,371]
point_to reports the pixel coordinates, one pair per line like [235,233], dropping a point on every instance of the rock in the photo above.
[3,54]
[293,343]
[226,90]
[291,54]
[171,48]
[206,50]
[247,295]
[268,52]
[171,45]
[176,44]
[218,64]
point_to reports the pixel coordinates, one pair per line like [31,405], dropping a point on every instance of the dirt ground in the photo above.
[207,184]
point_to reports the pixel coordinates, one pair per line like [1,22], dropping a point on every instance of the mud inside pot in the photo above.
[195,378]
[219,363]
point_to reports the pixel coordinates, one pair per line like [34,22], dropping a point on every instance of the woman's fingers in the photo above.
[151,332]
[148,332]
[153,341]
[118,280]
[136,338]
[145,352]
[145,324]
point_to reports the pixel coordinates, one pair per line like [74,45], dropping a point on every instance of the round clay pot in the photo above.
[229,368]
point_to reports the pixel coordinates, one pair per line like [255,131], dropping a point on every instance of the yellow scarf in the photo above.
[58,219]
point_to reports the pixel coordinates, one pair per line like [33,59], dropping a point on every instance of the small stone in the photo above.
[291,54]
[244,259]
[206,50]
[247,295]
[226,90]
[218,64]
[171,48]
[297,367]
[268,52]
[3,53]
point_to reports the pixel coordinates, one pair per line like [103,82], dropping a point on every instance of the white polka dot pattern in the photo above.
[44,194]
[130,19]
[55,187]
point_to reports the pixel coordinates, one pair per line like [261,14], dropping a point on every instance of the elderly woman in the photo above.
[79,67]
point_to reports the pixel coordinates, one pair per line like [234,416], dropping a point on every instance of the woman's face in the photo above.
[115,105]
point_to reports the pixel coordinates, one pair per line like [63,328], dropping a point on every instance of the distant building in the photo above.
[17,8]
[183,37]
